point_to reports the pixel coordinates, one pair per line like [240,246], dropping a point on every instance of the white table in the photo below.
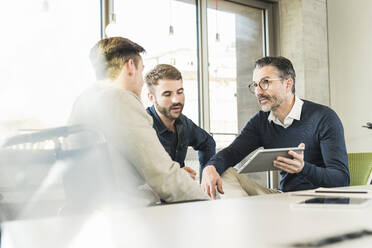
[262,221]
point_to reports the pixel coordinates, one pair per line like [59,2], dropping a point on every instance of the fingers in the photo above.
[219,186]
[190,171]
[286,167]
[193,173]
[296,155]
[294,165]
[210,179]
[206,190]
[205,187]
[212,189]
[285,160]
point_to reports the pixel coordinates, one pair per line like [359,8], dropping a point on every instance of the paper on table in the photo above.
[364,191]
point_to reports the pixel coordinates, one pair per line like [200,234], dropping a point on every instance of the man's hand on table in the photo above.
[210,179]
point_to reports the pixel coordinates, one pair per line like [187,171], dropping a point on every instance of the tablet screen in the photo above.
[335,200]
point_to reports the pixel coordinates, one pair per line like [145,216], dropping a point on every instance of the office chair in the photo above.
[25,161]
[89,180]
[84,172]
[360,167]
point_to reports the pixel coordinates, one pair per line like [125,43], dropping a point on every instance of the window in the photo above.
[44,62]
[235,41]
[167,30]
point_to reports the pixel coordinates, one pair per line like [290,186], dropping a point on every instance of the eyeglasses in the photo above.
[264,84]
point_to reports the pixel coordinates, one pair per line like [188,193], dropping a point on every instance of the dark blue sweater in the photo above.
[319,128]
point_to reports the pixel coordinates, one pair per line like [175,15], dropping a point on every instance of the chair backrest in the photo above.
[89,181]
[85,170]
[360,167]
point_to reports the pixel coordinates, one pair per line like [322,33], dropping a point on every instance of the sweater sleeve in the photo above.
[333,150]
[246,142]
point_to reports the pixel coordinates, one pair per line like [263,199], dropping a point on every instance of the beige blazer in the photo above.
[143,170]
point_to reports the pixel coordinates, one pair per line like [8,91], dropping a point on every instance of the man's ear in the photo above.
[289,84]
[130,66]
[150,96]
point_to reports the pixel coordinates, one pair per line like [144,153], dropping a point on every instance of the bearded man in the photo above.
[284,121]
[176,132]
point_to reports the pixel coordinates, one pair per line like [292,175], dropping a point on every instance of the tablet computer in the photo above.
[262,159]
[328,202]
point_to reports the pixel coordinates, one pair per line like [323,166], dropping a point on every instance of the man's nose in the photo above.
[258,91]
[176,98]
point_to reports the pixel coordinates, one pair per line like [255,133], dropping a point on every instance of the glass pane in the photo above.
[150,28]
[192,160]
[223,140]
[44,62]
[235,41]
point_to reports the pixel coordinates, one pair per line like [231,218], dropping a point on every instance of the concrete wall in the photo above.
[329,43]
[350,67]
[303,39]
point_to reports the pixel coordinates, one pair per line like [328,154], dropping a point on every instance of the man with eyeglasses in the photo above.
[285,121]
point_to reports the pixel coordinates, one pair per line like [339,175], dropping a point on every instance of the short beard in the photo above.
[271,99]
[167,112]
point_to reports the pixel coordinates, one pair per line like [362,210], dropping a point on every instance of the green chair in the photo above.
[360,167]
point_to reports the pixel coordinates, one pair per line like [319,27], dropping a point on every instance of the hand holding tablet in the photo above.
[292,165]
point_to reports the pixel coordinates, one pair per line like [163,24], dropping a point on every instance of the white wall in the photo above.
[350,68]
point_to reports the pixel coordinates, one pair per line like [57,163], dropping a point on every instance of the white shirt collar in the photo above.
[294,114]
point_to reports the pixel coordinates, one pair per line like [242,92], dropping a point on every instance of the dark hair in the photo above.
[283,65]
[109,55]
[161,71]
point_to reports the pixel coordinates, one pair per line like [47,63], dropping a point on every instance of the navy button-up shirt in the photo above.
[187,134]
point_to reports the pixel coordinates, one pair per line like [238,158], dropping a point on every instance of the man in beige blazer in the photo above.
[143,170]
